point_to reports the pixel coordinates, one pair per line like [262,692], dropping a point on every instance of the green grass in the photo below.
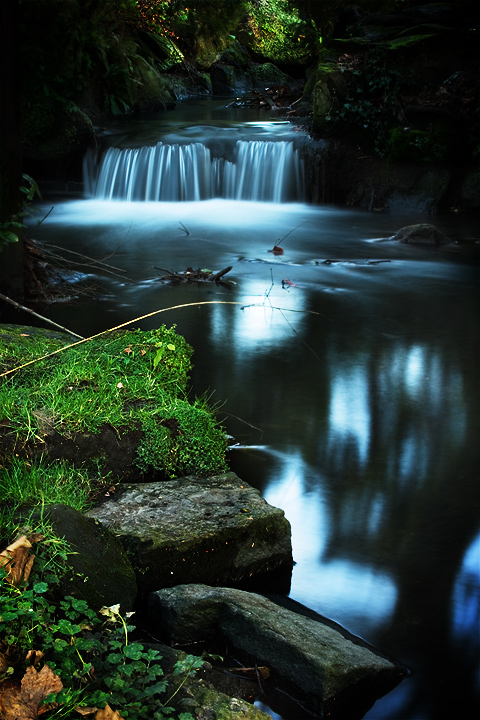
[126,379]
[26,485]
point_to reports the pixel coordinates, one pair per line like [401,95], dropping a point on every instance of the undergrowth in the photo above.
[86,658]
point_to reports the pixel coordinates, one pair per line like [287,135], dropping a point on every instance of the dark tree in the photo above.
[11,255]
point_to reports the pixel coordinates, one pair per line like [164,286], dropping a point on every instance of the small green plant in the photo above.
[28,485]
[8,230]
[91,653]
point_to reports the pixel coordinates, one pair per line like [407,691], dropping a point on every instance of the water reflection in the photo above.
[466,607]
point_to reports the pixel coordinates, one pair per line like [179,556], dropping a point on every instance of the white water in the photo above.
[260,171]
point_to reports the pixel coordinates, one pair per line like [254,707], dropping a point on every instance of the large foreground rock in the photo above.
[334,673]
[217,530]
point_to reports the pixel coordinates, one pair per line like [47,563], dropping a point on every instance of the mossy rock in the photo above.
[216,529]
[119,399]
[328,93]
[267,75]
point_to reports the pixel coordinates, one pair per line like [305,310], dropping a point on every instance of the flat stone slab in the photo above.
[334,673]
[216,530]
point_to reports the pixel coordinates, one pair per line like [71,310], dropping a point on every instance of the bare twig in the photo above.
[45,216]
[182,227]
[137,319]
[86,257]
[94,264]
[277,244]
[18,306]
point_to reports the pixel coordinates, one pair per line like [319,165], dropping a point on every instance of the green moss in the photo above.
[433,145]
[124,380]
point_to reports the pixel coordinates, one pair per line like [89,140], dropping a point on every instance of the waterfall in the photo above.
[260,170]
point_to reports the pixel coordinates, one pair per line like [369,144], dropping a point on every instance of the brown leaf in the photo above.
[84,711]
[108,714]
[22,703]
[34,656]
[15,560]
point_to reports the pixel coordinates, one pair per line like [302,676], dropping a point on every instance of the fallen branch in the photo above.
[18,306]
[95,264]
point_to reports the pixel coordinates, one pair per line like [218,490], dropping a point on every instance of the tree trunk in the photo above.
[11,256]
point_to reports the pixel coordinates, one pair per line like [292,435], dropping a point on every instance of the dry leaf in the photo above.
[84,711]
[34,656]
[22,703]
[16,561]
[108,714]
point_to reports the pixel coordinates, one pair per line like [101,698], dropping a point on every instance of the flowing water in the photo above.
[344,368]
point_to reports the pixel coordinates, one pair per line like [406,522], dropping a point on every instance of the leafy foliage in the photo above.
[8,230]
[278,32]
[373,104]
[90,654]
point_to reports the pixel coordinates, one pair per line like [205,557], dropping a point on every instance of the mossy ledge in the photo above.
[119,401]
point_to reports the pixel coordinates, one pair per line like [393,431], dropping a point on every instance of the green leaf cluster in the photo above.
[93,656]
[8,230]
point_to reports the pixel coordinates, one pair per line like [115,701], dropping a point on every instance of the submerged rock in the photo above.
[420,234]
[217,530]
[332,672]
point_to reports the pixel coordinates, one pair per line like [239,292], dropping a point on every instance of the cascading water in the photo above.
[261,170]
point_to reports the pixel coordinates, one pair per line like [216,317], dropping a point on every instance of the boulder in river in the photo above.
[333,673]
[217,530]
[420,234]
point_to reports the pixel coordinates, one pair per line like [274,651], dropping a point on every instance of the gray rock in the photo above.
[227,79]
[334,673]
[420,234]
[268,74]
[102,573]
[216,530]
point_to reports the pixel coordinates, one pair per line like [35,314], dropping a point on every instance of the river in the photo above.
[345,369]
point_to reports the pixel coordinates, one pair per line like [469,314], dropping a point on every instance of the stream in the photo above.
[345,369]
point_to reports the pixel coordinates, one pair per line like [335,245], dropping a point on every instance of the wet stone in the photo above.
[217,530]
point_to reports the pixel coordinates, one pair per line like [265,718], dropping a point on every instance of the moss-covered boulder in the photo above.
[328,94]
[216,530]
[334,673]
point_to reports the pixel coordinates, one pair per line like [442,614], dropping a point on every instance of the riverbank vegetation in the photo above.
[59,658]
[92,413]
[75,659]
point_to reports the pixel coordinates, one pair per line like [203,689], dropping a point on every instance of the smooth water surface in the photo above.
[346,370]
